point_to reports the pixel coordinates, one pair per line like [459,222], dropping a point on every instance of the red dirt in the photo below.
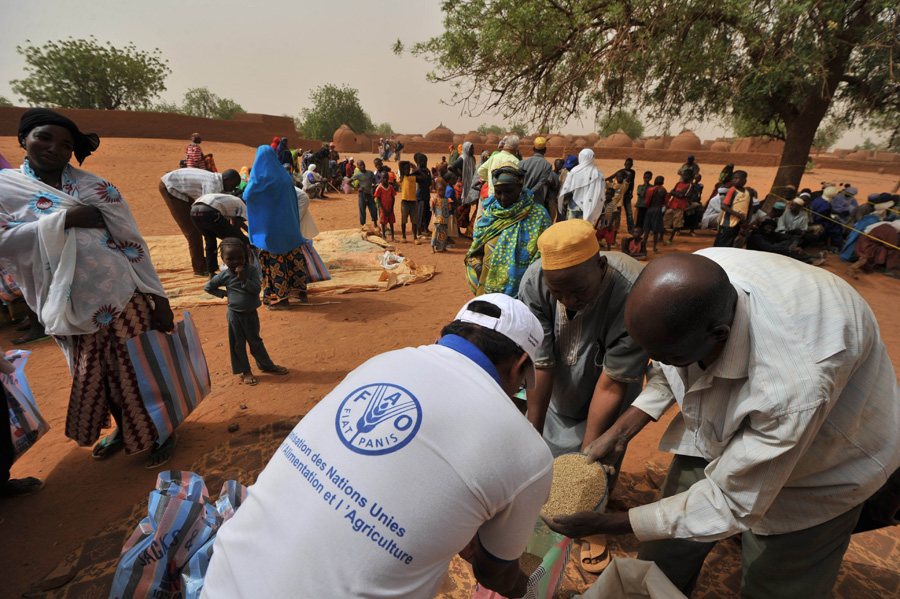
[319,344]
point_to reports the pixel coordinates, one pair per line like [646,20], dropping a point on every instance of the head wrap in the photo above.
[805,195]
[540,143]
[459,148]
[272,209]
[851,191]
[779,206]
[508,173]
[873,197]
[883,205]
[245,173]
[829,193]
[798,201]
[84,143]
[567,243]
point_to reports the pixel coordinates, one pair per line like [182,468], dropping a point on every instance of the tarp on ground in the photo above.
[353,258]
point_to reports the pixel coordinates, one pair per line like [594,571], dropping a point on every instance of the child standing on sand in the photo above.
[440,206]
[242,286]
[384,196]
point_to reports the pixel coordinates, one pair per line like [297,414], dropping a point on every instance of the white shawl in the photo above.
[76,280]
[308,226]
[586,184]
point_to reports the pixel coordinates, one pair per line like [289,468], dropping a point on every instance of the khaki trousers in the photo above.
[799,564]
[181,212]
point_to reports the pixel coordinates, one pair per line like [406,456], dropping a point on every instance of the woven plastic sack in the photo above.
[543,583]
[628,578]
[26,425]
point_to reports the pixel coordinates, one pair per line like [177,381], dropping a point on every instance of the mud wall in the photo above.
[739,159]
[249,129]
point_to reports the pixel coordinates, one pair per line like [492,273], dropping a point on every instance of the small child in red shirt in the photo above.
[384,195]
[636,245]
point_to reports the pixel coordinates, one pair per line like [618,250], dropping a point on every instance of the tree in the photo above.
[485,129]
[87,74]
[4,101]
[199,101]
[828,134]
[333,106]
[381,130]
[520,129]
[690,60]
[626,120]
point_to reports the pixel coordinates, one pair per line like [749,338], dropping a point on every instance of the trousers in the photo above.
[367,201]
[243,330]
[214,226]
[181,212]
[804,563]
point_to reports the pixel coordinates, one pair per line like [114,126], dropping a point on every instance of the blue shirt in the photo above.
[471,351]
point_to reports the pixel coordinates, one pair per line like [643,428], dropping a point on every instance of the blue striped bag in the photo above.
[181,519]
[315,268]
[172,374]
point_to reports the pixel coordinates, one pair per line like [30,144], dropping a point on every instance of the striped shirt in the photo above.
[228,205]
[188,184]
[194,156]
[798,416]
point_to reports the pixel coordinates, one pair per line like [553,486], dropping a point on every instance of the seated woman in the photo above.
[70,242]
[878,247]
[504,243]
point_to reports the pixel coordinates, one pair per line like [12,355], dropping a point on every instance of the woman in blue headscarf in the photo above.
[274,221]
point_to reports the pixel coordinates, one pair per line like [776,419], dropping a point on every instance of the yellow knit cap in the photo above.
[567,243]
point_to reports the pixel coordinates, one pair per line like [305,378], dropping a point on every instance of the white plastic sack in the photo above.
[389,260]
[628,578]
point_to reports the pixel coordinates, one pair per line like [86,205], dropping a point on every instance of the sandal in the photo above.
[19,487]
[107,446]
[278,307]
[595,554]
[161,454]
[24,340]
[248,379]
[277,370]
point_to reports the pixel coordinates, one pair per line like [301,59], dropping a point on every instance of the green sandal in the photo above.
[107,446]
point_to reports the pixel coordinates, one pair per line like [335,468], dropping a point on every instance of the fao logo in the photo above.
[378,419]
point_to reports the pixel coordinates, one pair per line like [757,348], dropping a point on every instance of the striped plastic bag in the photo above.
[172,374]
[544,582]
[315,268]
[194,573]
[181,519]
[26,425]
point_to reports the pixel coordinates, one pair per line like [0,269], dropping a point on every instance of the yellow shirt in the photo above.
[739,201]
[408,189]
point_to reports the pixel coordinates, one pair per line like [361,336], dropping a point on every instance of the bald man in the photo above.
[589,368]
[789,413]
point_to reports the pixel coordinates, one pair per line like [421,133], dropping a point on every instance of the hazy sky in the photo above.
[268,55]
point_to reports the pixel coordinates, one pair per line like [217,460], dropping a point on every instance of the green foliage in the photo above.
[626,120]
[520,129]
[745,126]
[687,60]
[868,144]
[4,101]
[171,107]
[381,130]
[828,134]
[199,101]
[87,74]
[485,129]
[333,106]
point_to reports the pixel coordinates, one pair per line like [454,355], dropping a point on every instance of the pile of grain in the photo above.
[576,487]
[529,562]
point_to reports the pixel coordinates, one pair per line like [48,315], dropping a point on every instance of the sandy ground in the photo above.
[320,345]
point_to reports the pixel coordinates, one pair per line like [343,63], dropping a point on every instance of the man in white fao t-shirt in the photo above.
[417,455]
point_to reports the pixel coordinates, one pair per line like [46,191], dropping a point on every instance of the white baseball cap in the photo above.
[516,323]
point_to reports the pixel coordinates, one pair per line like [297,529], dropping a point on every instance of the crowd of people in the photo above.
[787,398]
